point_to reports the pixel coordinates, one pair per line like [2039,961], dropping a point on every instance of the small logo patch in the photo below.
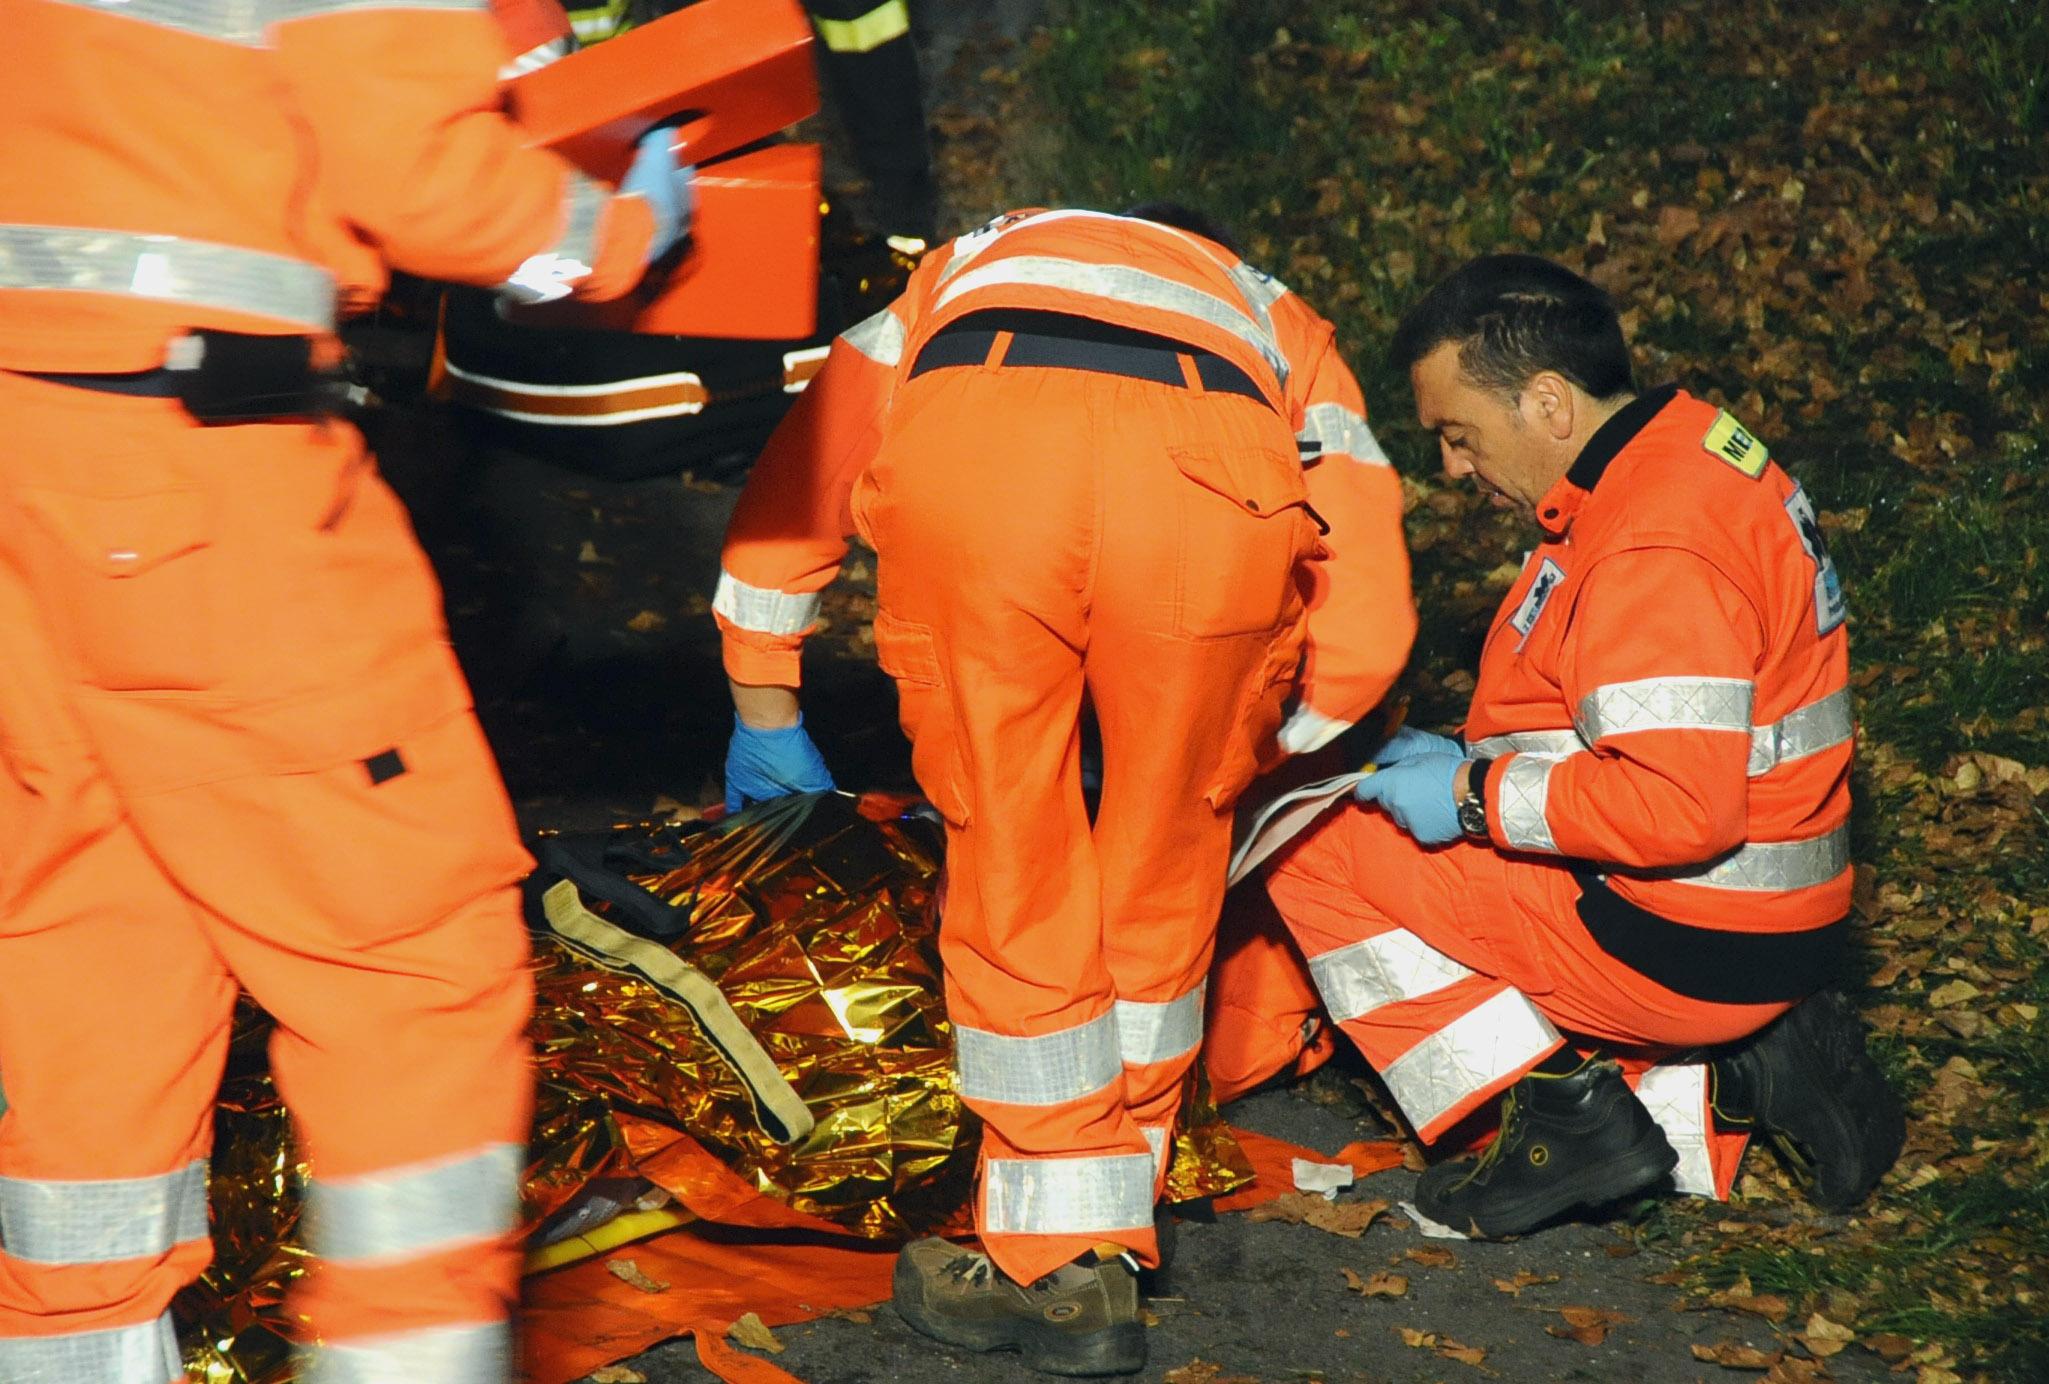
[1729,441]
[1525,617]
[1829,605]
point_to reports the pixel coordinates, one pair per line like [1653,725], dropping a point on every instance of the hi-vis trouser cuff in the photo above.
[143,1354]
[101,1221]
[473,1353]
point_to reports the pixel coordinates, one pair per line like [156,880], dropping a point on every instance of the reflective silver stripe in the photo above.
[1676,1096]
[553,274]
[1067,1196]
[1308,729]
[480,1353]
[1261,290]
[1483,1048]
[417,1209]
[243,21]
[1148,1032]
[143,1354]
[168,269]
[1342,433]
[1384,969]
[763,609]
[1160,1140]
[1124,284]
[880,338]
[965,247]
[534,59]
[1525,788]
[1820,725]
[96,1222]
[284,11]
[1766,866]
[1550,744]
[1049,1069]
[1666,704]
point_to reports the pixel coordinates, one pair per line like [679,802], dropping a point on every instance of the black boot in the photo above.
[1807,1083]
[1565,1142]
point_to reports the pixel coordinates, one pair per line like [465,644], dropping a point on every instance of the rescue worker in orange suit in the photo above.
[1640,848]
[1099,459]
[234,746]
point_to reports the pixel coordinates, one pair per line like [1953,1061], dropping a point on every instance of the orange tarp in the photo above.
[579,1318]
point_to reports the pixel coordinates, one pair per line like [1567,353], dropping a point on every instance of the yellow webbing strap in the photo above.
[622,1229]
[891,19]
[616,949]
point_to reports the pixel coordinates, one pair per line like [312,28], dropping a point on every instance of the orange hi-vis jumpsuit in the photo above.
[1049,531]
[1664,698]
[234,743]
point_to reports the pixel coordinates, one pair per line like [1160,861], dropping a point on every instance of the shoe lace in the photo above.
[970,1268]
[1489,1156]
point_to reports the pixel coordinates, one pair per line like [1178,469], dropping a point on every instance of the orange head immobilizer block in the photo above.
[729,72]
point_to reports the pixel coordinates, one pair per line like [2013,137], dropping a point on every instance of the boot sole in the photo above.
[1118,1349]
[1628,1173]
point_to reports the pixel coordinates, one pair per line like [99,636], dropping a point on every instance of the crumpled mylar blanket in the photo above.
[765,988]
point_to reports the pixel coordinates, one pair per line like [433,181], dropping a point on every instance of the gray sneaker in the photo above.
[1081,1319]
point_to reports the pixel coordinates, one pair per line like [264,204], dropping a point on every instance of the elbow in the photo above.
[1698,829]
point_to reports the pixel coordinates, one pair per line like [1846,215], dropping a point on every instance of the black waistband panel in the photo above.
[1708,963]
[1054,340]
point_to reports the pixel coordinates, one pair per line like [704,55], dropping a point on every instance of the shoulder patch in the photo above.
[1729,441]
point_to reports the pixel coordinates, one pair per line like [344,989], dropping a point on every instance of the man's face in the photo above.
[1501,443]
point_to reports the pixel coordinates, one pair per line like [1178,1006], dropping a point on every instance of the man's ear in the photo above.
[1552,403]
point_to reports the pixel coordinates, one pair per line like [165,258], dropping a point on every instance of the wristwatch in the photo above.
[1472,804]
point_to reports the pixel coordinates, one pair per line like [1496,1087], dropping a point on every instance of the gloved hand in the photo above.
[1417,793]
[670,191]
[1408,742]
[764,764]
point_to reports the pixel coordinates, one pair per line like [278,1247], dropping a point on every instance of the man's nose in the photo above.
[1456,467]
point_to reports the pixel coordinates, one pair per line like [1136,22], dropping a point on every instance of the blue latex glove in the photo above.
[1408,743]
[670,190]
[764,764]
[1417,793]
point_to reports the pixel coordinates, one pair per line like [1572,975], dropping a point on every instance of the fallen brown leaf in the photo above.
[647,621]
[1346,1218]
[1587,1325]
[1824,1338]
[1204,1372]
[752,1332]
[1379,1285]
[858,1316]
[1888,1347]
[626,1271]
[1734,1355]
[1739,1298]
[1431,1257]
[1465,1355]
[1523,1279]
[616,1374]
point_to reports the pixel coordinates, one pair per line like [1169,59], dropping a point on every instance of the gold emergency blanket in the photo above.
[764,988]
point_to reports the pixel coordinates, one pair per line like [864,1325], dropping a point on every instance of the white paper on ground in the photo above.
[1431,1229]
[1326,1178]
[1282,820]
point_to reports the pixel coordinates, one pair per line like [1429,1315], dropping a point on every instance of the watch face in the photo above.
[1472,816]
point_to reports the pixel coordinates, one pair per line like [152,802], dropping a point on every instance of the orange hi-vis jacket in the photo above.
[247,165]
[1665,694]
[788,534]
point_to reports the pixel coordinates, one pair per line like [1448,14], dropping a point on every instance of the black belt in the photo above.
[1054,340]
[229,377]
[1711,964]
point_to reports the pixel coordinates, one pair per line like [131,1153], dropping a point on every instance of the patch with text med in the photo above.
[1729,441]
[1525,618]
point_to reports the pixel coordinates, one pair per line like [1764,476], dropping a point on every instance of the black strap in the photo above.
[1711,964]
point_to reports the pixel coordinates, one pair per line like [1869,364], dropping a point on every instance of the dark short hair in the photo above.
[1512,316]
[1186,218]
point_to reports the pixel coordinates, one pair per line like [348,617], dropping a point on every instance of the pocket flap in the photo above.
[123,535]
[906,650]
[1257,480]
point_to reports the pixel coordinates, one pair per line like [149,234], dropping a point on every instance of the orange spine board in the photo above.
[735,70]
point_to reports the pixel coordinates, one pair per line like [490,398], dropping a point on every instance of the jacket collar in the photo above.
[1561,503]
